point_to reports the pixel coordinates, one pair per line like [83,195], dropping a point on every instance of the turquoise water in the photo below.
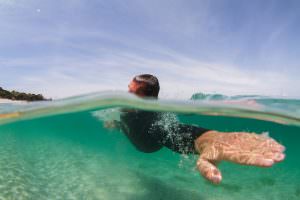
[60,150]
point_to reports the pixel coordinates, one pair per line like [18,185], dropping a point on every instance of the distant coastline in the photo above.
[8,96]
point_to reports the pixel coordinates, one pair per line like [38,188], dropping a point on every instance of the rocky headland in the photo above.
[21,96]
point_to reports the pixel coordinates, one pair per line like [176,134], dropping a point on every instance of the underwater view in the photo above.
[61,150]
[149,100]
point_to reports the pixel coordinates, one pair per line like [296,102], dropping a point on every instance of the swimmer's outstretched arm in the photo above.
[238,147]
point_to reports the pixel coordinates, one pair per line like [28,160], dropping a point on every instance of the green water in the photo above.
[69,155]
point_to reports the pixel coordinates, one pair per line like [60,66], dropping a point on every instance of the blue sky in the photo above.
[70,47]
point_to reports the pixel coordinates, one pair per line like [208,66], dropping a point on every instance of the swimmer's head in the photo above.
[144,85]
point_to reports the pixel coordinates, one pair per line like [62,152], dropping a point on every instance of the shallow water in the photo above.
[60,150]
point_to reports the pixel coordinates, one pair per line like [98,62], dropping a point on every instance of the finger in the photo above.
[275,146]
[279,148]
[258,161]
[269,145]
[276,157]
[261,162]
[250,159]
[209,170]
[273,143]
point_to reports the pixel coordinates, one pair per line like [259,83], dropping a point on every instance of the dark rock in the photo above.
[14,95]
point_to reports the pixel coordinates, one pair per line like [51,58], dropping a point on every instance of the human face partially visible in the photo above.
[136,88]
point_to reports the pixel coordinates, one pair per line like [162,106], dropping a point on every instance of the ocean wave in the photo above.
[284,111]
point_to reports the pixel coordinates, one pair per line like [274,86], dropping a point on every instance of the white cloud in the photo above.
[180,77]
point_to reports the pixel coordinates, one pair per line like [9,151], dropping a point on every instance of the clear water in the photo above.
[60,150]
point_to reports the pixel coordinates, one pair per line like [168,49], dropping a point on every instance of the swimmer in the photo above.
[148,132]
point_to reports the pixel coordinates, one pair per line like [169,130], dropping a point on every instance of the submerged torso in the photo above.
[149,131]
[136,125]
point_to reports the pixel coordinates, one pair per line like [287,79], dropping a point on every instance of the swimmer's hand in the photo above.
[238,147]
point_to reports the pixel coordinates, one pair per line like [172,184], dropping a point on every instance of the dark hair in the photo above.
[150,84]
